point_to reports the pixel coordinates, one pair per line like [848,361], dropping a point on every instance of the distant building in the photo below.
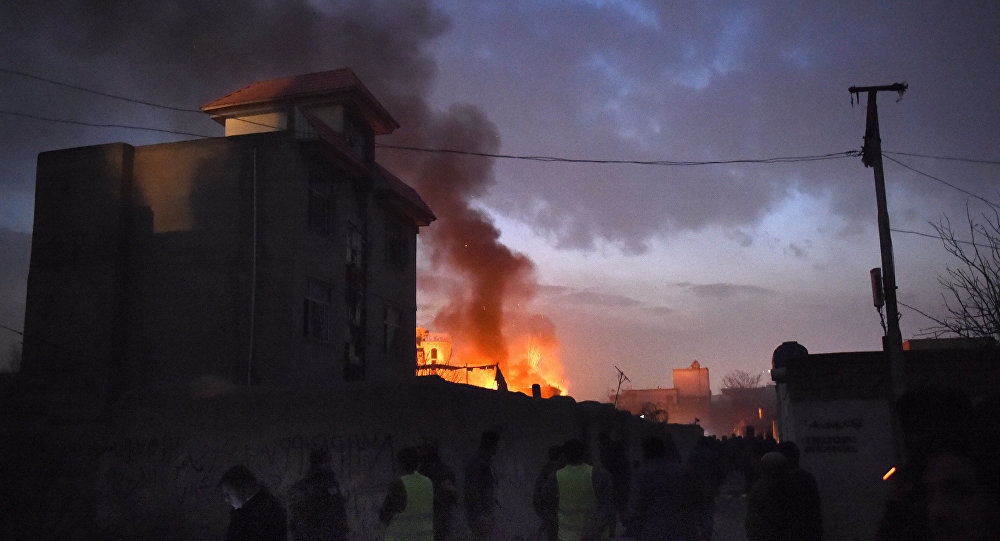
[692,383]
[281,254]
[655,403]
[433,348]
[688,401]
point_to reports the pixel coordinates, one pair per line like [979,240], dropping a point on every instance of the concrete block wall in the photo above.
[148,467]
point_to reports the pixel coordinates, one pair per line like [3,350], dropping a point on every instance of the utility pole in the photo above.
[871,156]
[621,379]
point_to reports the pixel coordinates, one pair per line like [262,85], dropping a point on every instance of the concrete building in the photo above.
[280,254]
[687,402]
[692,383]
[433,348]
[655,404]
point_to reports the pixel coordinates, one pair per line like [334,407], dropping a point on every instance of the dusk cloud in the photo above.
[727,291]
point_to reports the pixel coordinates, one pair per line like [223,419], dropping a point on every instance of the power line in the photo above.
[936,157]
[556,159]
[117,97]
[416,149]
[783,159]
[792,159]
[11,329]
[97,92]
[921,312]
[97,125]
[939,237]
[945,182]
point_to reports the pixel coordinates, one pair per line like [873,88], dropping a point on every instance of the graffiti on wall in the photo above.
[178,477]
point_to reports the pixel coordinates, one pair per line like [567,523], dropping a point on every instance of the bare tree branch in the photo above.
[740,379]
[970,289]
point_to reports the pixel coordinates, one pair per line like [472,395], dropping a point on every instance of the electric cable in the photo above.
[938,157]
[782,159]
[938,237]
[945,182]
[100,125]
[11,329]
[97,92]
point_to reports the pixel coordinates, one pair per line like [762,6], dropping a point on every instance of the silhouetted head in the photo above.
[409,459]
[790,450]
[574,451]
[238,484]
[772,463]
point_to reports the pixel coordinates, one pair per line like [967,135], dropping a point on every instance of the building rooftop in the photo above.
[341,83]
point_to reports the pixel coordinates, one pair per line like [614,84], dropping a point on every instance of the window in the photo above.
[356,136]
[393,337]
[355,245]
[316,313]
[396,250]
[320,212]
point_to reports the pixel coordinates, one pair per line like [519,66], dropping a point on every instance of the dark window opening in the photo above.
[321,207]
[317,313]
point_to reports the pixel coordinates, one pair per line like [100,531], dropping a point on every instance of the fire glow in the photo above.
[477,288]
[533,360]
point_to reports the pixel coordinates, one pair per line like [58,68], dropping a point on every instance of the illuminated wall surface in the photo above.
[837,408]
[692,382]
[148,467]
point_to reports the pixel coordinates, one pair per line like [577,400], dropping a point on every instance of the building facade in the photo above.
[280,254]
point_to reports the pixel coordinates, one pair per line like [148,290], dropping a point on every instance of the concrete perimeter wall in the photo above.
[148,467]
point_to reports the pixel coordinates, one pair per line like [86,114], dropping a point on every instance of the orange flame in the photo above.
[532,359]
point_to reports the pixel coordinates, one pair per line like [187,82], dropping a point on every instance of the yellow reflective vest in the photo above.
[416,521]
[577,501]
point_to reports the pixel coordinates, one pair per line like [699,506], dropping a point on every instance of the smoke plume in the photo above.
[188,52]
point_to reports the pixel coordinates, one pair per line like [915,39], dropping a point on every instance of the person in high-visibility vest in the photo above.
[583,496]
[408,509]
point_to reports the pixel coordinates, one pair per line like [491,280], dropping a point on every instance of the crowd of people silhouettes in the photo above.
[948,488]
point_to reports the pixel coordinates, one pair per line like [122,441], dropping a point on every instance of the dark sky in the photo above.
[647,267]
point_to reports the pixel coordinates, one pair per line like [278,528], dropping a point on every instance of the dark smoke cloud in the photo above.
[488,278]
[188,52]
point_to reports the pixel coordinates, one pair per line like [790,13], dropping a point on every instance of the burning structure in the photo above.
[434,357]
[475,288]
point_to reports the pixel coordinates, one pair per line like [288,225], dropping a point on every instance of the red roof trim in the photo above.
[324,83]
